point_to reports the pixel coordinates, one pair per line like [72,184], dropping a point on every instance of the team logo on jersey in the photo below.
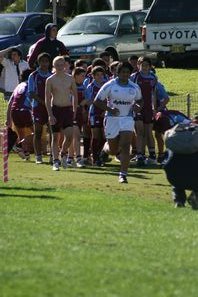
[121,102]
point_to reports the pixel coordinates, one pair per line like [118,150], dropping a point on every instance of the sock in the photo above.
[152,154]
[78,158]
[106,148]
[95,149]
[123,173]
[86,143]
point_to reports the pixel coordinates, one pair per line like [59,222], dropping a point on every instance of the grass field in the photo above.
[78,233]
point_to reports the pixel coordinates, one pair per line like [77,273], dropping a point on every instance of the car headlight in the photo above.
[83,49]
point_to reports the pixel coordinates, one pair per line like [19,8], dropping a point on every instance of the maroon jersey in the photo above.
[36,84]
[79,112]
[19,97]
[147,84]
[20,107]
[96,115]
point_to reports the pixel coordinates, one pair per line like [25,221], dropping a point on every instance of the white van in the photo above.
[171,29]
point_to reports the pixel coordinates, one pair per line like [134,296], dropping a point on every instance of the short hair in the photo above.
[144,59]
[78,71]
[58,58]
[98,62]
[43,55]
[79,63]
[97,69]
[67,59]
[114,64]
[133,57]
[123,65]
[105,54]
[25,74]
[16,50]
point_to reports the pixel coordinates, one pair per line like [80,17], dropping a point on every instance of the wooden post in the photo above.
[54,4]
[188,102]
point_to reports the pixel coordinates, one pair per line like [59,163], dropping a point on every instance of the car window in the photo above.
[101,24]
[169,11]
[10,25]
[38,23]
[127,24]
[140,17]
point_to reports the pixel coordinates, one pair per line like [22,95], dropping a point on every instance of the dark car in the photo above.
[117,32]
[23,28]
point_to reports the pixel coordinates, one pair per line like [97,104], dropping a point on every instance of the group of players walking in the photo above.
[112,105]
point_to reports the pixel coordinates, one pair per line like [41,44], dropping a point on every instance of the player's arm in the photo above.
[75,96]
[33,56]
[154,99]
[48,99]
[89,95]
[101,102]
[32,88]
[9,118]
[4,52]
[137,106]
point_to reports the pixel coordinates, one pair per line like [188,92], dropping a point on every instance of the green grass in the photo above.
[80,233]
[179,81]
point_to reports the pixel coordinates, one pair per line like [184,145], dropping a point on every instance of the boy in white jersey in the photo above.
[123,97]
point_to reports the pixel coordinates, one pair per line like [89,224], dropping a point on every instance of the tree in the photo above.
[5,3]
[18,5]
[64,7]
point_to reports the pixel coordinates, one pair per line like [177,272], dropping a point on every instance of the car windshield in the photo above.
[10,25]
[169,11]
[101,24]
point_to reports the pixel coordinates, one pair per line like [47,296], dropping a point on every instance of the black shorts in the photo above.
[64,117]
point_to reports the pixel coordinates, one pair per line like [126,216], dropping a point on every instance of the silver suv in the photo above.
[117,32]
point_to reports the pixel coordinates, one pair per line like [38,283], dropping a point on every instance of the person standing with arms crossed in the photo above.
[61,102]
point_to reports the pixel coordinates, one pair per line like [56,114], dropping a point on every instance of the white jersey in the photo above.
[120,96]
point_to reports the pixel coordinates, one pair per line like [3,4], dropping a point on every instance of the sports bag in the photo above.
[182,138]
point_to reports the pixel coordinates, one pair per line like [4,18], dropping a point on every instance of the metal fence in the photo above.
[188,104]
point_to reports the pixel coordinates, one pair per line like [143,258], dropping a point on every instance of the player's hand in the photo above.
[115,111]
[8,123]
[136,108]
[52,120]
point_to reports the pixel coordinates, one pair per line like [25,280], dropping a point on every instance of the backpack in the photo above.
[182,138]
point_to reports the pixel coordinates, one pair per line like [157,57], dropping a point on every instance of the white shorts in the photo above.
[115,125]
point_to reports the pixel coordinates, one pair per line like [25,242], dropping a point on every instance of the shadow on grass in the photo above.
[46,197]
[172,94]
[34,195]
[102,171]
[26,189]
[162,185]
